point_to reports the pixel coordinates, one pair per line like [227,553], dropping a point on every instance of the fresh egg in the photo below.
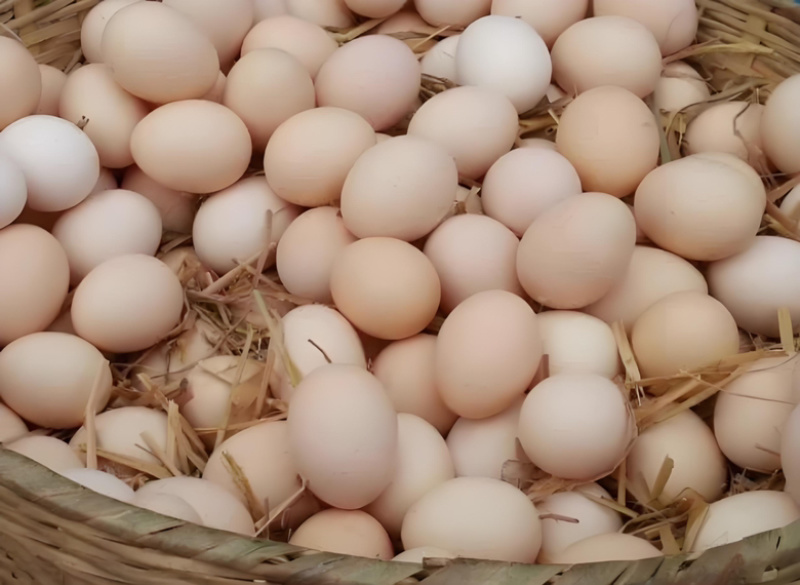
[50,452]
[375,8]
[127,303]
[14,189]
[144,33]
[580,343]
[215,505]
[343,435]
[196,146]
[790,205]
[575,516]
[698,464]
[780,122]
[346,532]
[440,60]
[676,204]
[176,208]
[409,26]
[167,505]
[683,331]
[417,555]
[576,426]
[679,86]
[481,447]
[59,161]
[549,17]
[478,518]
[327,139]
[326,13]
[265,88]
[270,9]
[672,22]
[406,368]
[611,138]
[401,188]
[475,125]
[607,50]
[239,222]
[652,274]
[386,287]
[94,24]
[48,378]
[307,42]
[525,182]
[505,54]
[736,517]
[754,284]
[576,251]
[120,431]
[106,225]
[732,127]
[751,411]
[12,427]
[487,353]
[105,182]
[102,483]
[217,91]
[52,83]
[20,80]
[375,76]
[35,273]
[452,13]
[313,336]
[599,548]
[423,463]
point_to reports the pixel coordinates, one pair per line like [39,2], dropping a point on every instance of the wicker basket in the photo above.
[55,532]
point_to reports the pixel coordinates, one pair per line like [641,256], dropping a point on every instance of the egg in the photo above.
[606,547]
[143,33]
[270,8]
[375,8]
[679,86]
[607,50]
[35,273]
[408,26]
[790,455]
[652,274]
[440,59]
[386,287]
[239,222]
[15,191]
[537,143]
[53,81]
[423,463]
[576,426]
[59,161]
[505,54]
[406,368]
[779,125]
[476,517]
[452,13]
[127,303]
[375,76]
[193,145]
[347,532]
[176,208]
[672,22]
[790,205]
[343,435]
[611,138]
[94,24]
[20,80]
[481,447]
[577,342]
[327,13]
[101,482]
[167,505]
[731,127]
[525,182]
[47,451]
[475,125]
[329,140]
[550,18]
[754,284]
[217,91]
[12,427]
[48,379]
[417,555]
[575,251]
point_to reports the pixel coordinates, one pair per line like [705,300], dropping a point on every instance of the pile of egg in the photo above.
[398,432]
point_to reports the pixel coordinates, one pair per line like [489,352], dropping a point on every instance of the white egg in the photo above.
[101,482]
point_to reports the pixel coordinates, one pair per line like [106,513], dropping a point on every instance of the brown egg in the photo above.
[409,27]
[732,127]
[196,146]
[779,125]
[177,208]
[216,93]
[94,23]
[375,8]
[12,427]
[20,81]
[351,532]
[548,17]
[680,86]
[270,9]
[52,83]
[454,13]
[327,13]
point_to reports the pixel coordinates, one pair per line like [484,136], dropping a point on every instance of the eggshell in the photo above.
[754,284]
[525,182]
[487,353]
[611,138]
[35,273]
[576,251]
[144,33]
[270,9]
[15,191]
[606,547]
[576,426]
[607,50]
[176,208]
[790,454]
[672,22]
[453,13]
[94,24]
[408,26]
[375,8]
[101,482]
[327,139]
[549,17]
[476,517]
[167,505]
[440,60]
[736,517]
[347,532]
[12,427]
[327,13]
[343,435]
[679,86]
[580,343]
[20,80]
[780,122]
[481,447]
[59,161]
[194,145]
[790,205]
[47,451]
[732,127]
[385,287]
[417,555]
[52,84]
